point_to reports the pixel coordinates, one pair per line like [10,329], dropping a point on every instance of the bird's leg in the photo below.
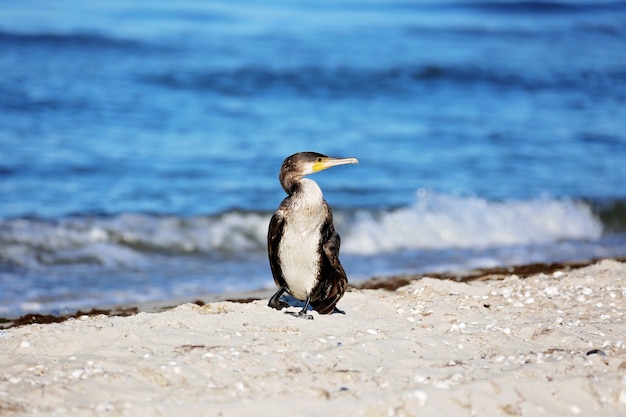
[275,300]
[302,313]
[336,310]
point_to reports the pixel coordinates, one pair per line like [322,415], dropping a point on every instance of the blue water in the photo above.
[141,141]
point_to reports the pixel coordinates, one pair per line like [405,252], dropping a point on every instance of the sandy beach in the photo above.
[550,344]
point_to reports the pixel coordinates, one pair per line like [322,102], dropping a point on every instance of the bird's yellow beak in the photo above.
[327,162]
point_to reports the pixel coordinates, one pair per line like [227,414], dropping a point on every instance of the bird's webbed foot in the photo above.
[275,301]
[300,314]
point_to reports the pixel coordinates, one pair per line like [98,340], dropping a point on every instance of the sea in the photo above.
[140,141]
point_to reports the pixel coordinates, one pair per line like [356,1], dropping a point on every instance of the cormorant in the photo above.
[303,246]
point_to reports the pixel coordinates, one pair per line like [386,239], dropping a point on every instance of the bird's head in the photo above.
[304,163]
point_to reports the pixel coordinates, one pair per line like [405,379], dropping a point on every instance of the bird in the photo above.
[303,246]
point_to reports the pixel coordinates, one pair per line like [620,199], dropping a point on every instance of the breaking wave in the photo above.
[434,221]
[442,221]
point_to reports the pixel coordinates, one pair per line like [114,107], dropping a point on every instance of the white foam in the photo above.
[435,221]
[125,239]
[438,221]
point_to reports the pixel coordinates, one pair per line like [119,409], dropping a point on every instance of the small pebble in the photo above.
[422,397]
[104,407]
[551,291]
[597,352]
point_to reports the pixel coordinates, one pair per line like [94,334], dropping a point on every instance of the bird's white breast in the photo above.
[299,245]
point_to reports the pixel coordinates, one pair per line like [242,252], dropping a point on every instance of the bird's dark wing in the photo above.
[333,282]
[274,235]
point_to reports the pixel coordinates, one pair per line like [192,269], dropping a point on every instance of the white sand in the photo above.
[504,347]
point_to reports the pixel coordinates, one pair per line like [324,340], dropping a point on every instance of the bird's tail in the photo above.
[327,305]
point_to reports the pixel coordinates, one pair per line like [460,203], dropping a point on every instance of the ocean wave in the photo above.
[541,7]
[435,221]
[438,221]
[66,39]
[351,81]
[125,240]
[508,7]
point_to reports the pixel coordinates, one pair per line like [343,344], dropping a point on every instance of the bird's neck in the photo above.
[307,197]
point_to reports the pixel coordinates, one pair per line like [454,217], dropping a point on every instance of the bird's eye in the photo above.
[319,159]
